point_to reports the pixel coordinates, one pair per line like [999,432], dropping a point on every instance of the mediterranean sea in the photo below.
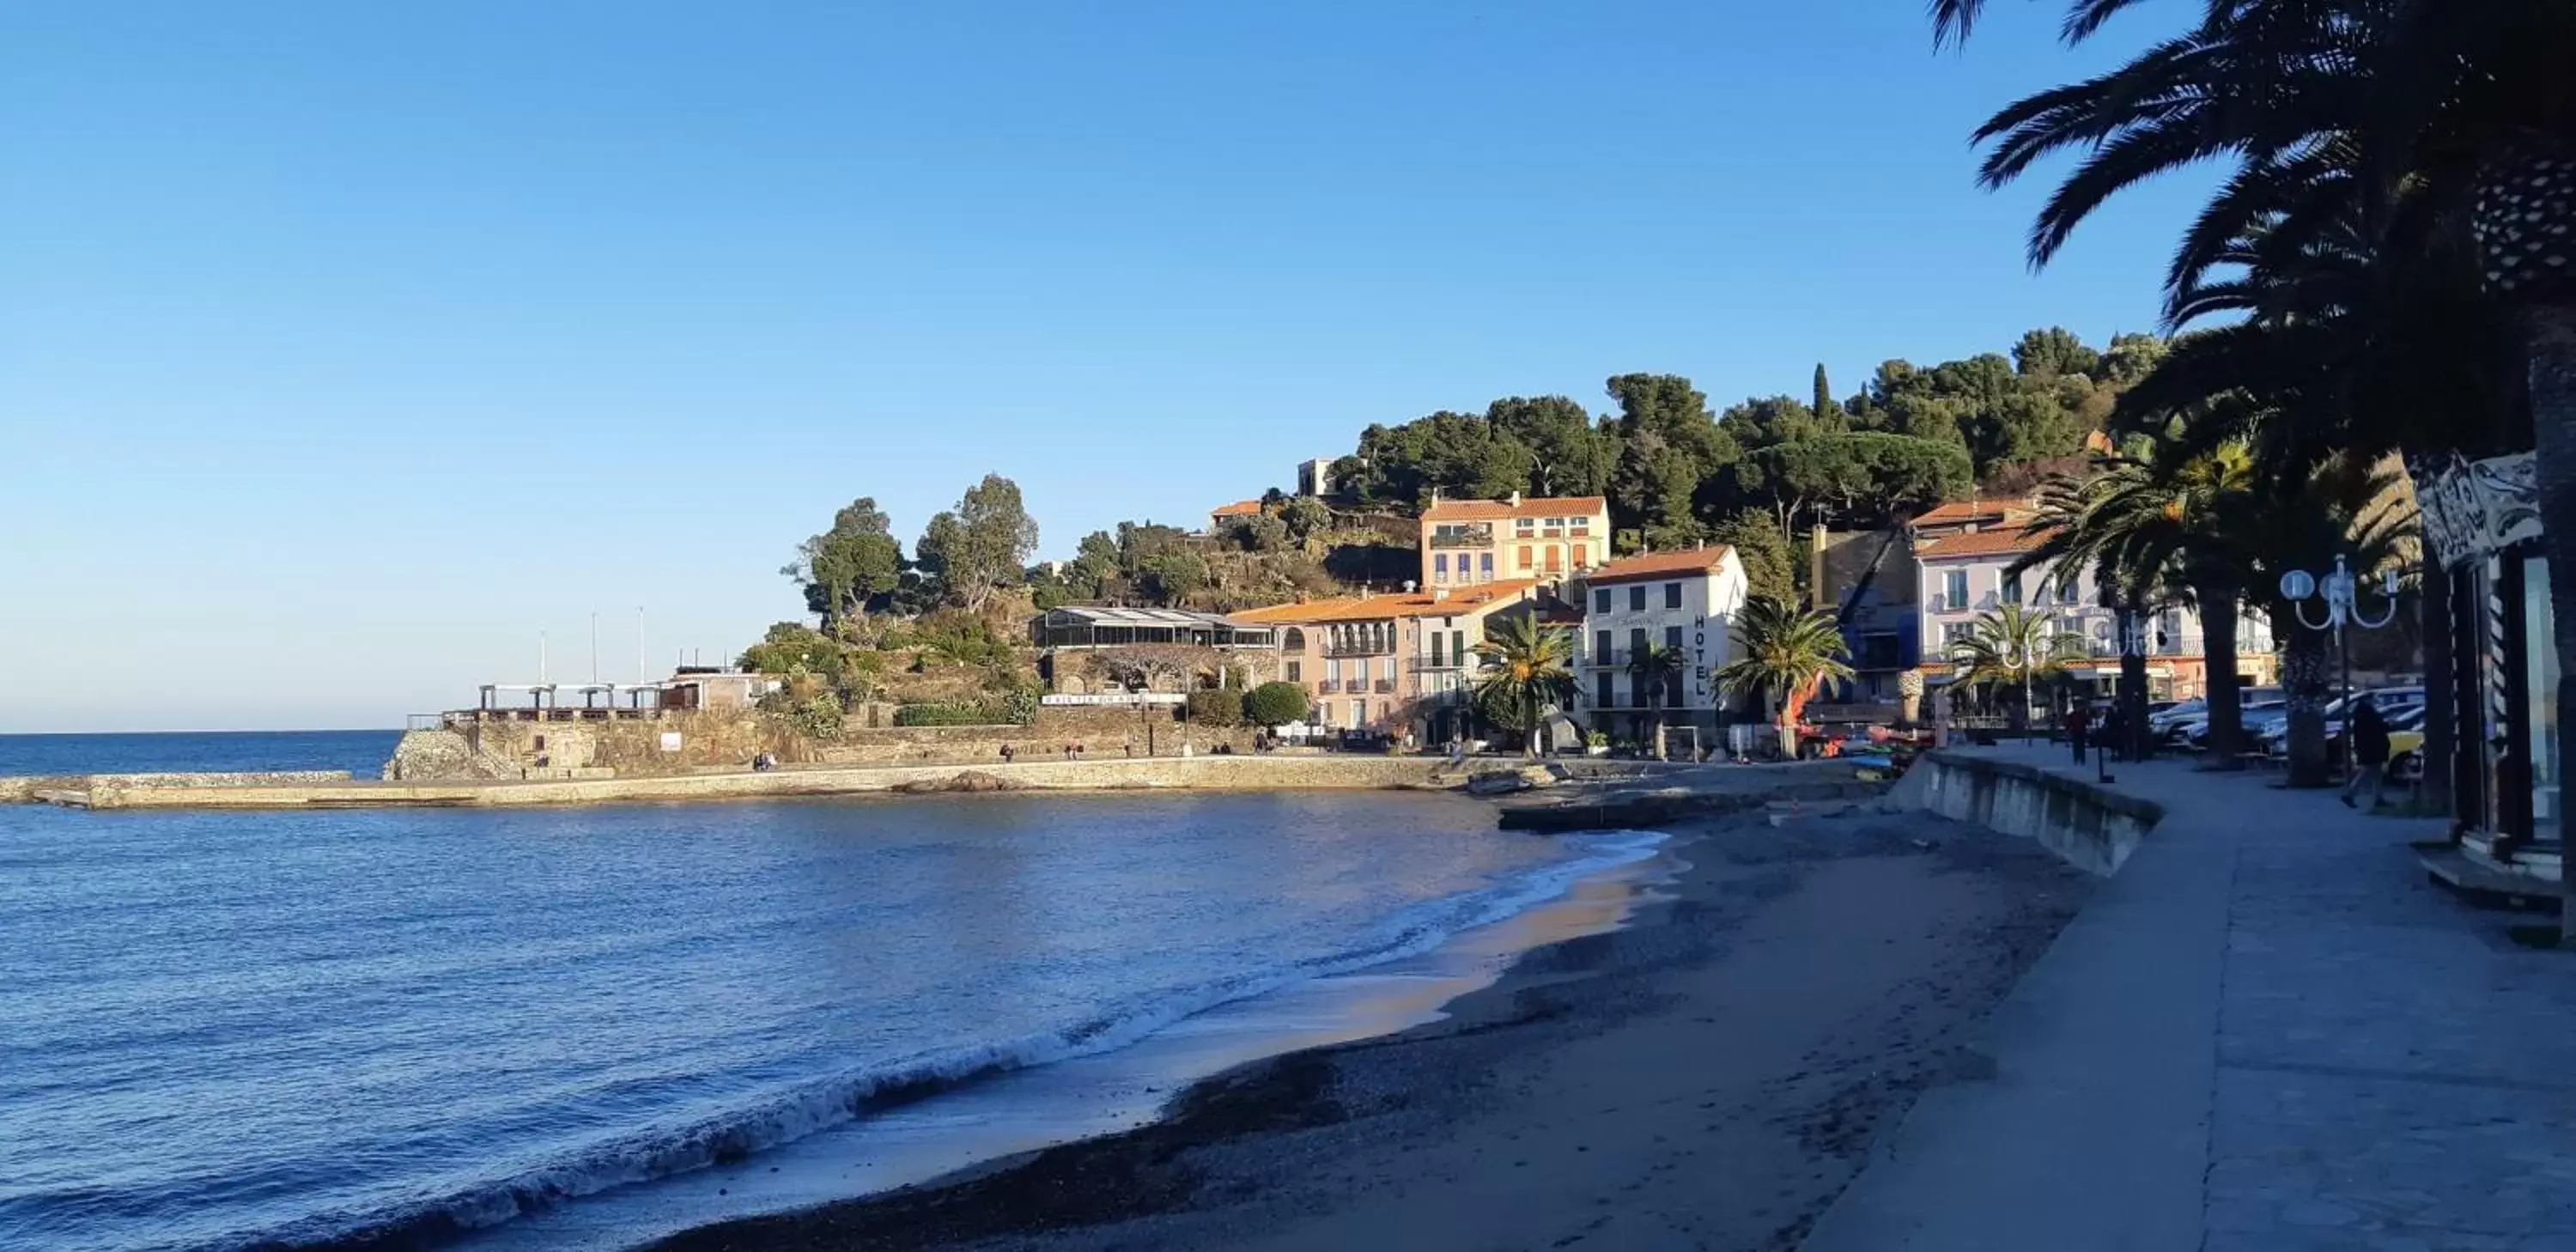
[230,1029]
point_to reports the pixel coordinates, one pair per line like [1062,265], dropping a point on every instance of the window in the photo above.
[2011,589]
[1296,671]
[1440,566]
[1332,671]
[1555,558]
[1458,645]
[1954,590]
[1953,632]
[1636,641]
[1673,638]
[1601,647]
[1601,599]
[1603,697]
[1582,555]
[1524,525]
[1485,562]
[1637,598]
[1364,669]
[1525,556]
[1672,595]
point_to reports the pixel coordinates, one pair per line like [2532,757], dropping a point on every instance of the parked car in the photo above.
[2258,715]
[2391,700]
[2406,744]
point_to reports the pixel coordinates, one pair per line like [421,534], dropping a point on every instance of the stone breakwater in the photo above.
[1245,773]
[25,788]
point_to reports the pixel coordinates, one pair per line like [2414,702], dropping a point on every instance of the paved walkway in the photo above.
[2267,1034]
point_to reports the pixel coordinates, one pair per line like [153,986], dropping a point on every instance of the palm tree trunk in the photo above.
[1529,719]
[2306,676]
[2133,684]
[2549,339]
[2218,653]
[2439,713]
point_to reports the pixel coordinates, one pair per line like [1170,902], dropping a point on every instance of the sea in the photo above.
[588,1027]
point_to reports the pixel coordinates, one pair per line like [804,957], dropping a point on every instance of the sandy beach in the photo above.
[1710,1076]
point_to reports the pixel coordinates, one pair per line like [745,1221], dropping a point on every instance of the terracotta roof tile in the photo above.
[1240,508]
[1530,506]
[1994,542]
[1477,598]
[1661,564]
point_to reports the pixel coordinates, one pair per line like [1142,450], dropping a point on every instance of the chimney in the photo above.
[1408,586]
[1516,499]
[1439,594]
[1819,596]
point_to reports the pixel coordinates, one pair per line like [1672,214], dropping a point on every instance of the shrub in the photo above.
[819,717]
[1276,704]
[1216,708]
[946,715]
[1020,705]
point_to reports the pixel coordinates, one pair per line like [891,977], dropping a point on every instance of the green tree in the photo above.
[1456,454]
[848,565]
[1771,567]
[1652,671]
[2053,353]
[1783,654]
[1569,454]
[1825,404]
[1526,670]
[1862,478]
[2012,649]
[1306,516]
[981,546]
[1276,704]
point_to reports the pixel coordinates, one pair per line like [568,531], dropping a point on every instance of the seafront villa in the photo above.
[1398,664]
[1967,573]
[1655,625]
[1466,542]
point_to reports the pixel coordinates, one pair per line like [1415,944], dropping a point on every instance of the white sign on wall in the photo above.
[670,741]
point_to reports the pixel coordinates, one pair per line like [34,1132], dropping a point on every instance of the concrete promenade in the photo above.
[2268,1033]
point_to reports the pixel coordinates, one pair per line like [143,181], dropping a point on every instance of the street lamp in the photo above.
[2340,593]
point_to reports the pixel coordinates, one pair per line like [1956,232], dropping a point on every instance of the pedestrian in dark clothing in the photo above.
[2079,721]
[2369,754]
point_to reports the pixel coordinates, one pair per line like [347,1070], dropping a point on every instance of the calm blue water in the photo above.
[223,1028]
[361,752]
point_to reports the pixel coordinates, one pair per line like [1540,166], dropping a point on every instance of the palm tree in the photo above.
[1525,671]
[2405,121]
[1651,672]
[2012,648]
[1783,653]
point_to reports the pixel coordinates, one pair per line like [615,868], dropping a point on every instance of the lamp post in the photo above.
[2340,593]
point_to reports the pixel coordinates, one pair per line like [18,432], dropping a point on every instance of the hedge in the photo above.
[948,715]
[1276,704]
[1216,708]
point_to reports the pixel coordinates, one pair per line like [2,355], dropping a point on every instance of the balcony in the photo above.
[1423,664]
[1344,649]
[1384,686]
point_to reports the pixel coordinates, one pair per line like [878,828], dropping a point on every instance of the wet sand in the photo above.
[1711,1076]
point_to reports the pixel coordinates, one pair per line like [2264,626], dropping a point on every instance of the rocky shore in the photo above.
[1710,1076]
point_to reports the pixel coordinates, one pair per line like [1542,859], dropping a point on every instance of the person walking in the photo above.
[2079,720]
[2369,754]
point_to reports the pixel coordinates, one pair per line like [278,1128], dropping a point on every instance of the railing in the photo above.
[1421,663]
[1369,648]
[1485,540]
[1386,686]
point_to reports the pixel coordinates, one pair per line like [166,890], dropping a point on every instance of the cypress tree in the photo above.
[1826,406]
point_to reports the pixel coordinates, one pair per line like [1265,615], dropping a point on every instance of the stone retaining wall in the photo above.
[1243,773]
[2089,827]
[21,789]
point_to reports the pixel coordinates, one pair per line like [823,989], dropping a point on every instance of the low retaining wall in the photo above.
[2086,826]
[1239,773]
[21,789]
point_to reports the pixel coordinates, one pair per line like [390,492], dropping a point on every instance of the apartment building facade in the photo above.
[1683,603]
[1466,543]
[1396,664]
[1966,574]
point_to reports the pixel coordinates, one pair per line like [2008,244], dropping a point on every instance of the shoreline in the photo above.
[1346,772]
[1578,1090]
[976,1126]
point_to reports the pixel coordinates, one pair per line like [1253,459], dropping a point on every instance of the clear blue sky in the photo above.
[345,347]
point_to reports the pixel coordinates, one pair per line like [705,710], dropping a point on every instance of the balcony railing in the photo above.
[1421,663]
[1485,540]
[1386,686]
[1360,647]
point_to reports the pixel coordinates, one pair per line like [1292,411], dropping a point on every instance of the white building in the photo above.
[1686,601]
[1965,575]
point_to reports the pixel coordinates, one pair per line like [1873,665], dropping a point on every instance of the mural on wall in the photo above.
[2474,509]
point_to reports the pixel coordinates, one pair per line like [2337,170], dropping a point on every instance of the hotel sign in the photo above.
[1122,699]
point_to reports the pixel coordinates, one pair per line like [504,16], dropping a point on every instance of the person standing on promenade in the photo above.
[2369,753]
[2079,719]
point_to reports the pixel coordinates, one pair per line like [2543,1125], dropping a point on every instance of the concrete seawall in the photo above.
[22,788]
[337,791]
[2090,827]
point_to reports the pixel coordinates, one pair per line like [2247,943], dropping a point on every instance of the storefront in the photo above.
[2482,522]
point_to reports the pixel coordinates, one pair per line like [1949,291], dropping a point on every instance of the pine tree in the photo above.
[1825,403]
